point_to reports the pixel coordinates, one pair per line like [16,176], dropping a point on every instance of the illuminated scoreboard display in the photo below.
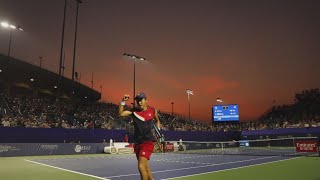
[225,113]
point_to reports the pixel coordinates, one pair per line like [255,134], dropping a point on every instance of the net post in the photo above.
[221,147]
[293,142]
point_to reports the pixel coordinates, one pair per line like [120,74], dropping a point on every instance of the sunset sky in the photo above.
[247,52]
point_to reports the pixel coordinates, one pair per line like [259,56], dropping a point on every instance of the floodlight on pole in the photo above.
[219,100]
[134,58]
[5,24]
[11,27]
[189,92]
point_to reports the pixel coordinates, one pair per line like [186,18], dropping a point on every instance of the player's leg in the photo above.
[143,168]
[149,149]
[150,176]
[144,154]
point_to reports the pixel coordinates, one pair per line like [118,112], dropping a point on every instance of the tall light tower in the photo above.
[134,58]
[62,36]
[75,39]
[189,92]
[11,27]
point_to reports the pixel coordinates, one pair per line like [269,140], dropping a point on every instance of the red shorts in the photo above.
[144,149]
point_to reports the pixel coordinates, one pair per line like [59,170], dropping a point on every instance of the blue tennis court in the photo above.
[163,166]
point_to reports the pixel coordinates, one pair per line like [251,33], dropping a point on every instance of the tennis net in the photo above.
[295,146]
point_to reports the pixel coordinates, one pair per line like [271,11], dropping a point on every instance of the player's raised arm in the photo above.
[123,112]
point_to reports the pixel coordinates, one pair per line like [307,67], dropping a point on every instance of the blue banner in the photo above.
[35,149]
[60,135]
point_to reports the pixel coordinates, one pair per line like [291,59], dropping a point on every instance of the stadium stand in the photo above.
[37,104]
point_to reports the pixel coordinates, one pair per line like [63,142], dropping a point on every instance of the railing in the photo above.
[45,69]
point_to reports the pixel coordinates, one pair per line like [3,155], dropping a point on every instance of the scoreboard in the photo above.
[225,113]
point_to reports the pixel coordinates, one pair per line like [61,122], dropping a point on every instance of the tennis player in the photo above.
[143,118]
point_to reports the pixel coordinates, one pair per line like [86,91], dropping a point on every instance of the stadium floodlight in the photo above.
[189,91]
[12,27]
[219,100]
[5,24]
[0,70]
[86,97]
[134,58]
[55,87]
[31,79]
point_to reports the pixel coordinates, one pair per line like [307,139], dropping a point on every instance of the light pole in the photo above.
[134,58]
[41,59]
[189,91]
[62,36]
[75,39]
[172,108]
[62,65]
[11,27]
[92,81]
[91,87]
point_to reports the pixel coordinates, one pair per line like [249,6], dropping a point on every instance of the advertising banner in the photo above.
[306,146]
[38,149]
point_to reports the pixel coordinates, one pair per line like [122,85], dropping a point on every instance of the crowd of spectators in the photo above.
[303,113]
[178,124]
[52,113]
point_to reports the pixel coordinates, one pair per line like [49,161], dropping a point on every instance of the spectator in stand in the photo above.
[126,139]
[5,122]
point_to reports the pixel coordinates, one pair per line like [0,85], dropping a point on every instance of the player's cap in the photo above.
[140,96]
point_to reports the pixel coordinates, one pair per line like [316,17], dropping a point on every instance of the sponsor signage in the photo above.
[8,148]
[306,146]
[83,149]
[169,147]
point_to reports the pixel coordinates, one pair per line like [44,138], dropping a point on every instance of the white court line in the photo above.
[232,168]
[191,157]
[67,170]
[195,167]
[88,158]
[165,160]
